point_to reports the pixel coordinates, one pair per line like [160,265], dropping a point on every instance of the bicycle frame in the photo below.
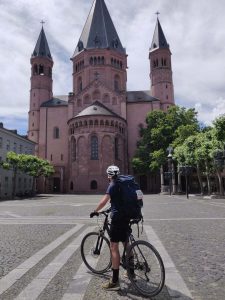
[130,241]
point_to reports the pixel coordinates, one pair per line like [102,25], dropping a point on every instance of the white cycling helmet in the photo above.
[113,170]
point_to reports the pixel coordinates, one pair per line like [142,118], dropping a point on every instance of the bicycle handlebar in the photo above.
[107,211]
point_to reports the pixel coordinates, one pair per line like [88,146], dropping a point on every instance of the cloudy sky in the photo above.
[194,29]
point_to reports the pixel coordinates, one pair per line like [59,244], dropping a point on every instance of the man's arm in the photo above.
[103,202]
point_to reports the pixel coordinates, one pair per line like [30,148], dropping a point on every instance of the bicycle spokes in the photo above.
[95,251]
[147,272]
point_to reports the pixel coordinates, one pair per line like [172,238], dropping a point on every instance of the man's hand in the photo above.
[93,214]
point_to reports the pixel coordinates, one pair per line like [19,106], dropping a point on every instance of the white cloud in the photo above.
[195,33]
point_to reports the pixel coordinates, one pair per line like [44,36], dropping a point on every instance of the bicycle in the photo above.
[143,263]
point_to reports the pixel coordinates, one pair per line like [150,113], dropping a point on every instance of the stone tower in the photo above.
[161,69]
[99,58]
[41,85]
[97,106]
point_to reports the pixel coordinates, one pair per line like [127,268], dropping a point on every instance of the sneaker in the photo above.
[125,274]
[111,286]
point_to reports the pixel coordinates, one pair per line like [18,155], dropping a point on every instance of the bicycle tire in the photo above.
[148,261]
[98,263]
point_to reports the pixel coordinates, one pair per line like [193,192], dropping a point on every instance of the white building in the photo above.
[11,141]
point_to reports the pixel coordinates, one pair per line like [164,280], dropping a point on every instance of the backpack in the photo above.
[131,197]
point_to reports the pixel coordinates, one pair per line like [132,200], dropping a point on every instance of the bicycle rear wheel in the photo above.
[145,268]
[95,252]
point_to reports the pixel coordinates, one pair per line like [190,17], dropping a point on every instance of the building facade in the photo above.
[97,124]
[11,141]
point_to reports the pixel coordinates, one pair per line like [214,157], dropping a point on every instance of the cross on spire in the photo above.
[42,22]
[157,13]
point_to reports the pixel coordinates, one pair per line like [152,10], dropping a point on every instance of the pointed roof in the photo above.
[97,108]
[99,30]
[140,96]
[159,40]
[54,102]
[41,48]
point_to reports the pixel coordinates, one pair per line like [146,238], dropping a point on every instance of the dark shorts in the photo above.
[119,230]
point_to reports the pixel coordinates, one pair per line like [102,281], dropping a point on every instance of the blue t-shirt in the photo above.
[114,193]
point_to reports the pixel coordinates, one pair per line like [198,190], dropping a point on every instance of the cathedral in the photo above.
[98,123]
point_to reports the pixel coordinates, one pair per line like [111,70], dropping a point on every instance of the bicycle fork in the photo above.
[99,243]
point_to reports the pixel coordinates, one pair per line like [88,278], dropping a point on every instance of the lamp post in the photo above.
[170,171]
[170,159]
[186,171]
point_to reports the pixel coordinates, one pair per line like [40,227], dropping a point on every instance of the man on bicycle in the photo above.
[119,225]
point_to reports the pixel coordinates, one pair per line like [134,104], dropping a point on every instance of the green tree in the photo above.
[29,164]
[36,167]
[219,149]
[162,129]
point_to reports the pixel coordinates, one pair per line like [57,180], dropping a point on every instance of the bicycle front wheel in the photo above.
[95,252]
[145,268]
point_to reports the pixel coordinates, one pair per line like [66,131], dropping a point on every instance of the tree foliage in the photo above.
[29,164]
[162,130]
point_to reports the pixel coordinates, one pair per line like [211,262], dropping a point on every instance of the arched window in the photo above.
[79,84]
[116,83]
[56,133]
[35,70]
[94,148]
[73,149]
[116,148]
[41,70]
[94,185]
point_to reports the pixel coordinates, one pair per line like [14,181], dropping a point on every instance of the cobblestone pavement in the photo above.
[40,248]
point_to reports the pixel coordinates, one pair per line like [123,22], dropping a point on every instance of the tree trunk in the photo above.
[200,180]
[208,179]
[179,187]
[220,183]
[14,179]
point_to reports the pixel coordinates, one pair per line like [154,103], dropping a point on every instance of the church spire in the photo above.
[99,30]
[42,49]
[159,40]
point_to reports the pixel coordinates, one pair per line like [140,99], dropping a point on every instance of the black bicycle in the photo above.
[141,260]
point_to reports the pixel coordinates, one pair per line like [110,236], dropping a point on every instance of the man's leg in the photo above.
[114,284]
[115,260]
